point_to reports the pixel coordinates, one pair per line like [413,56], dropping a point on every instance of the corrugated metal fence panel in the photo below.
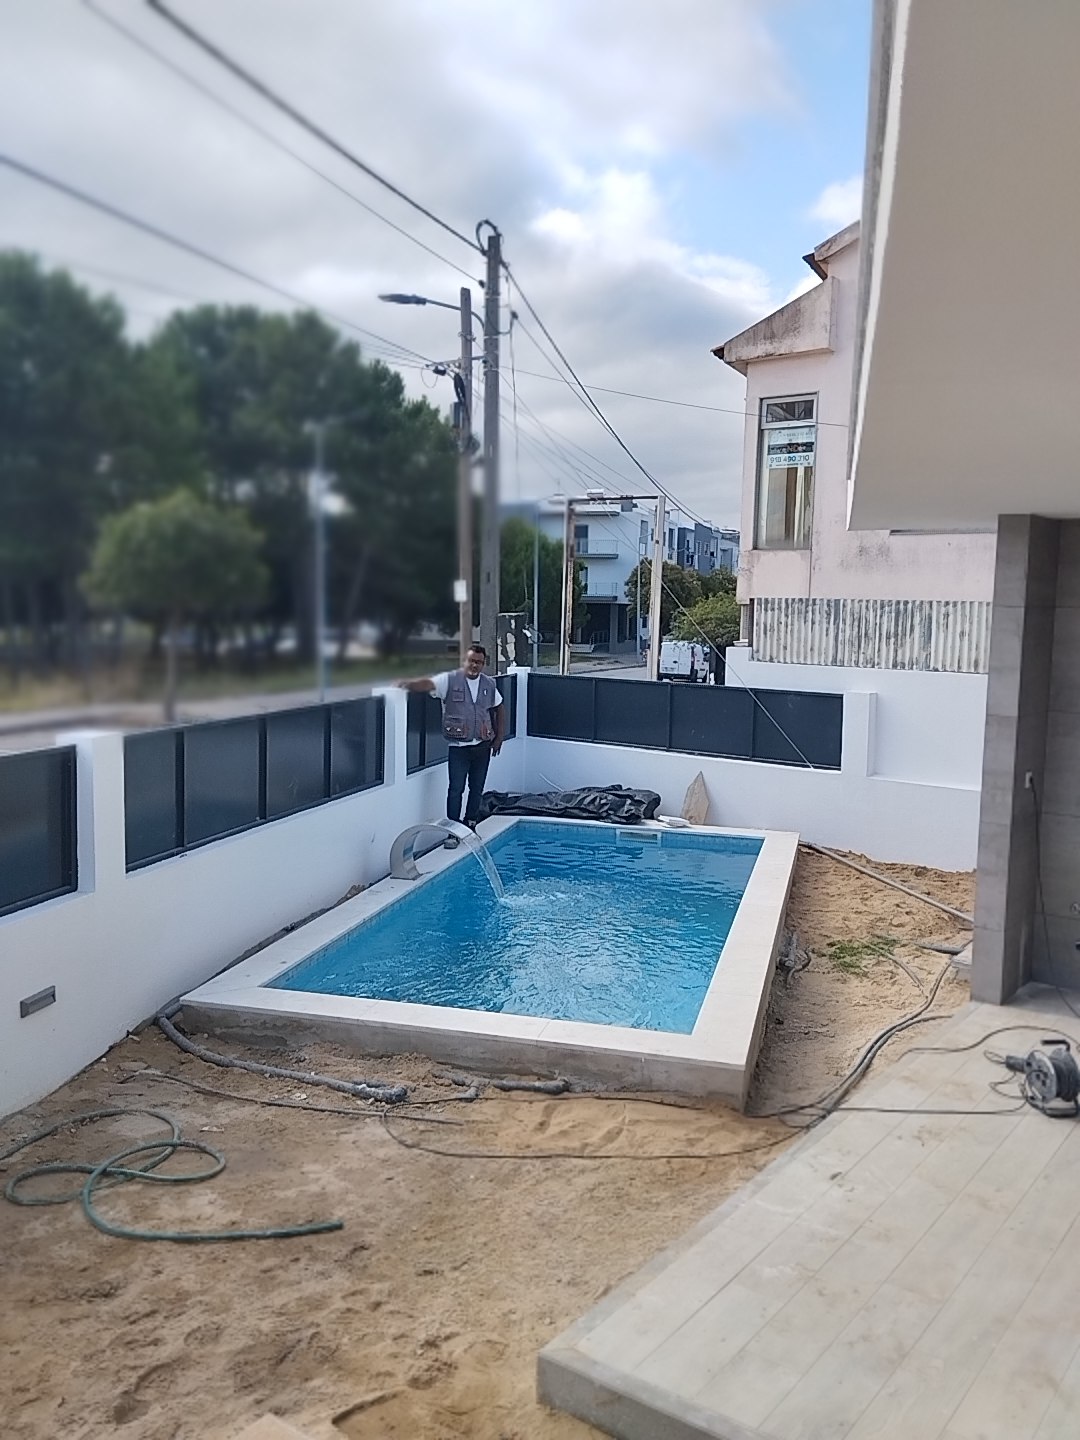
[947,635]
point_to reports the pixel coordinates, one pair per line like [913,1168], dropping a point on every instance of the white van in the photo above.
[684,661]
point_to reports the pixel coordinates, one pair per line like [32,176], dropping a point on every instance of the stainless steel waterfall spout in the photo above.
[402,864]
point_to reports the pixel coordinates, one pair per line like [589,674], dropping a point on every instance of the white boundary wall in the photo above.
[853,808]
[928,725]
[125,944]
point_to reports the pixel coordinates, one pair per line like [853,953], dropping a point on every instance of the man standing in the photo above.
[474,724]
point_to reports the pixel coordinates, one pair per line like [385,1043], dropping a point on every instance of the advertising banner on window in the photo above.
[794,445]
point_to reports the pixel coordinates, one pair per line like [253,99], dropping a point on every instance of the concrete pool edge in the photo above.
[717,1058]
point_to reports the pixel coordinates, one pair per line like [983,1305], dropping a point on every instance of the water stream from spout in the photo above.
[478,849]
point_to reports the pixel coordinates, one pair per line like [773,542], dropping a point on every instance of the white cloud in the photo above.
[839,203]
[565,127]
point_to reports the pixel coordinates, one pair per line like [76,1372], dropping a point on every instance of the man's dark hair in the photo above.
[478,649]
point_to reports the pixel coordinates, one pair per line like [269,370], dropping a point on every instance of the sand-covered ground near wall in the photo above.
[423,1316]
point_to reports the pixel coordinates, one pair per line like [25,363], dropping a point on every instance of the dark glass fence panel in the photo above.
[779,726]
[222,779]
[357,748]
[562,706]
[798,728]
[638,716]
[187,786]
[712,720]
[297,760]
[153,795]
[38,858]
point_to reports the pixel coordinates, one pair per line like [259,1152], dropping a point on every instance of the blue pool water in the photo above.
[599,923]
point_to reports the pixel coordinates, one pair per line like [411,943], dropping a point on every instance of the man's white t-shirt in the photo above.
[442,684]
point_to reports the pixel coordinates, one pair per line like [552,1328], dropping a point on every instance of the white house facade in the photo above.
[814,591]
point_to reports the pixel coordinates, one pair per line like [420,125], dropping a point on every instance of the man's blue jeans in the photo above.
[467,764]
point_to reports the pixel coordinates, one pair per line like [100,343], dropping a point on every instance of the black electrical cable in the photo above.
[82,197]
[583,394]
[280,103]
[260,130]
[666,399]
[455,1154]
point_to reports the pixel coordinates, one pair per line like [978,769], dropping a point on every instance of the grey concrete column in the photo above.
[1017,703]
[1056,960]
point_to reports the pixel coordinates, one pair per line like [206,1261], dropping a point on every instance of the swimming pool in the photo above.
[638,957]
[598,924]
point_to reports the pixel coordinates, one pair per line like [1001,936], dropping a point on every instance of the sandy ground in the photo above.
[423,1316]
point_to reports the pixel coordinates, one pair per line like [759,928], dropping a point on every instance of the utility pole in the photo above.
[637,632]
[656,590]
[318,492]
[489,535]
[464,585]
[566,630]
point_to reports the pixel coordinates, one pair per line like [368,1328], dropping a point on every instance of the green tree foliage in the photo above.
[69,387]
[715,618]
[395,466]
[219,402]
[682,591]
[516,584]
[174,560]
[258,382]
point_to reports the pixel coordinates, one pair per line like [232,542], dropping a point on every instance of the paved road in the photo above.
[34,730]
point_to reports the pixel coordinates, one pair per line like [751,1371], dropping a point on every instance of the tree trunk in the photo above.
[75,647]
[172,639]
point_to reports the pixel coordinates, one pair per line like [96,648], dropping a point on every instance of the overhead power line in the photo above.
[578,388]
[260,130]
[177,242]
[299,118]
[664,399]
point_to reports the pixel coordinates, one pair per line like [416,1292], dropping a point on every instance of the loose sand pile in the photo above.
[423,1316]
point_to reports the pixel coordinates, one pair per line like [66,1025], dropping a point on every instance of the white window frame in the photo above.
[803,525]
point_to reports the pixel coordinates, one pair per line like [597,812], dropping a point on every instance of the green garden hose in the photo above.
[108,1173]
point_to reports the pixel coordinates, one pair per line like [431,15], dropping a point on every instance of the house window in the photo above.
[785,487]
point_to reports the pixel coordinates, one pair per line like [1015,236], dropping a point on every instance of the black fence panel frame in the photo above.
[714,720]
[58,824]
[177,771]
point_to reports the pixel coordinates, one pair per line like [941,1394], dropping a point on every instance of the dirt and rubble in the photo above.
[423,1316]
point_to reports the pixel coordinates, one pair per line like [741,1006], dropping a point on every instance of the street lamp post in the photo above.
[463,584]
[318,497]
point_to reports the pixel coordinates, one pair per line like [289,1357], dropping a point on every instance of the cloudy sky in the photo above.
[656,171]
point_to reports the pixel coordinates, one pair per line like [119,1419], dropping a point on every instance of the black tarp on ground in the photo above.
[611,803]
